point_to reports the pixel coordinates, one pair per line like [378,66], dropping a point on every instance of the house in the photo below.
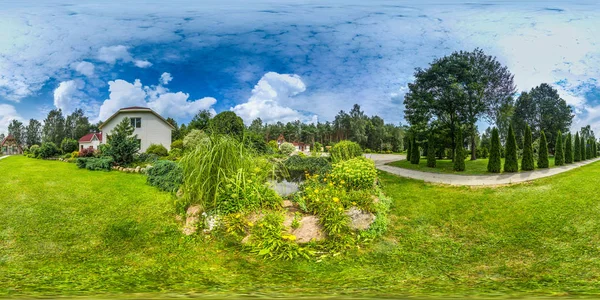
[90,141]
[302,147]
[149,126]
[10,146]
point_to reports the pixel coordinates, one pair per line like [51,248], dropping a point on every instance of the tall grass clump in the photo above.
[345,150]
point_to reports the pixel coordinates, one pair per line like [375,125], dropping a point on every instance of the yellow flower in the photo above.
[238,216]
[250,224]
[340,209]
[324,179]
[336,199]
[316,191]
[353,203]
[342,182]
[290,237]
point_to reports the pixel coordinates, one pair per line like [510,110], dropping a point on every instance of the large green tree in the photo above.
[200,121]
[33,135]
[17,130]
[495,163]
[459,153]
[431,162]
[77,125]
[527,163]
[176,133]
[511,163]
[415,152]
[577,146]
[582,148]
[54,127]
[228,123]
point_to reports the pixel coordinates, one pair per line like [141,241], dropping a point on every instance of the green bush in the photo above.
[543,152]
[415,152]
[158,150]
[194,138]
[177,144]
[145,158]
[345,150]
[48,150]
[69,145]
[527,163]
[318,147]
[165,175]
[494,163]
[577,145]
[559,154]
[175,153]
[356,174]
[459,153]
[228,123]
[273,145]
[257,142]
[408,149]
[582,148]
[511,163]
[122,143]
[287,148]
[431,162]
[588,152]
[34,151]
[95,163]
[569,149]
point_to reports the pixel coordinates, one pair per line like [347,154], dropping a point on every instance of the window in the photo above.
[136,122]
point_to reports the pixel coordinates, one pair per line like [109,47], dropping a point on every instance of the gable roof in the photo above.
[90,136]
[136,109]
[6,138]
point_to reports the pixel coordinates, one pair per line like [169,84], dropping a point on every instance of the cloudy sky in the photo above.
[278,59]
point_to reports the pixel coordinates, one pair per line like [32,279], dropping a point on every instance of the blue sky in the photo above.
[279,60]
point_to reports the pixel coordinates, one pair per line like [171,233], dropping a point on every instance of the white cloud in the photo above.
[69,96]
[165,78]
[269,97]
[112,54]
[142,64]
[84,68]
[178,105]
[7,114]
[122,94]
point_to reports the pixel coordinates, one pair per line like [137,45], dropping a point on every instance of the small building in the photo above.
[302,147]
[90,141]
[10,146]
[149,126]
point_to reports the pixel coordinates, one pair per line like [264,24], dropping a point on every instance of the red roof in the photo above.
[90,136]
[5,139]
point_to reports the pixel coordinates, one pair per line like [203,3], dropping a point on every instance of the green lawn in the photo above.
[472,167]
[65,231]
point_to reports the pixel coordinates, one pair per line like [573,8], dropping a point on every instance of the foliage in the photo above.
[77,125]
[17,130]
[69,145]
[494,164]
[48,150]
[273,145]
[431,151]
[165,175]
[257,142]
[74,154]
[588,152]
[175,153]
[543,152]
[459,153]
[200,121]
[297,165]
[177,144]
[34,151]
[358,173]
[194,138]
[158,150]
[569,149]
[122,144]
[33,133]
[145,157]
[318,147]
[415,152]
[54,127]
[577,152]
[527,163]
[95,163]
[345,150]
[559,154]
[287,148]
[582,148]
[227,122]
[269,241]
[409,149]
[511,163]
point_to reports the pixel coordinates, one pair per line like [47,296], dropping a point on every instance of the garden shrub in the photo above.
[122,143]
[577,152]
[318,147]
[543,152]
[165,175]
[527,163]
[69,145]
[287,148]
[559,154]
[345,150]
[75,154]
[269,240]
[175,154]
[368,151]
[569,149]
[177,144]
[588,152]
[483,152]
[145,158]
[297,166]
[415,152]
[194,138]
[511,163]
[48,150]
[95,163]
[355,174]
[431,162]
[494,163]
[86,152]
[582,148]
[459,153]
[158,150]
[273,145]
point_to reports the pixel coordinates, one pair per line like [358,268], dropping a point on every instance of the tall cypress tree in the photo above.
[408,149]
[415,153]
[494,164]
[459,153]
[431,151]
[577,152]
[511,163]
[582,147]
[543,155]
[559,153]
[595,148]
[589,152]
[527,161]
[569,150]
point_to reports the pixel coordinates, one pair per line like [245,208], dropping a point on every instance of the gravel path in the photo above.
[473,180]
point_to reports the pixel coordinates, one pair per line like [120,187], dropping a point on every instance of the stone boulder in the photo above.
[192,218]
[359,220]
[309,230]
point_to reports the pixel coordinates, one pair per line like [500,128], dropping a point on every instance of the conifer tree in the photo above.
[569,150]
[415,152]
[511,163]
[408,149]
[459,153]
[577,152]
[582,147]
[494,164]
[543,155]
[589,152]
[559,153]
[527,161]
[431,151]
[594,148]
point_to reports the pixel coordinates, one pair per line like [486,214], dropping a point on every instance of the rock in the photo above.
[246,239]
[143,170]
[360,220]
[290,206]
[137,169]
[255,216]
[309,230]
[192,217]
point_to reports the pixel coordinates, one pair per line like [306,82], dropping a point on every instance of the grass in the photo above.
[472,167]
[65,231]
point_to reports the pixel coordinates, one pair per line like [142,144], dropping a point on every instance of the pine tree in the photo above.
[494,164]
[527,161]
[511,163]
[415,152]
[559,153]
[431,151]
[594,148]
[408,148]
[543,155]
[577,152]
[459,153]
[582,147]
[589,152]
[569,150]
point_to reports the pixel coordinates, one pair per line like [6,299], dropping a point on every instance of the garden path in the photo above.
[2,157]
[381,161]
